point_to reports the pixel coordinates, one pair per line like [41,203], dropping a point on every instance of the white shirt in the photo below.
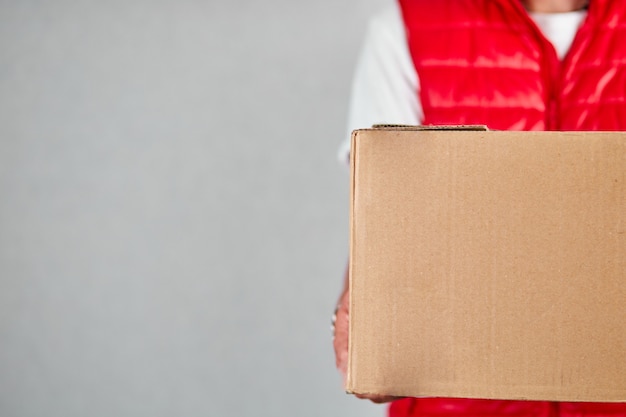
[385,85]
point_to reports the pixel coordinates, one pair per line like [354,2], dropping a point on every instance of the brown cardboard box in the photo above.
[488,264]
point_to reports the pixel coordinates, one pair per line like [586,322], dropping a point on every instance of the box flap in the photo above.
[481,128]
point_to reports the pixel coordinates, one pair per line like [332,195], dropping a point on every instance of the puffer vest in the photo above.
[486,62]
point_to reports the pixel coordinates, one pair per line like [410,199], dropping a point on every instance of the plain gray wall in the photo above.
[173,218]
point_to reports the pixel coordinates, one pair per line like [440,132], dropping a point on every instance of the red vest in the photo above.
[486,62]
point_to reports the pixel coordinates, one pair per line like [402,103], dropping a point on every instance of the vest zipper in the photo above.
[553,84]
[564,64]
[553,69]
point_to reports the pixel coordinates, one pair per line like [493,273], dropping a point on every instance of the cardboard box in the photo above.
[488,264]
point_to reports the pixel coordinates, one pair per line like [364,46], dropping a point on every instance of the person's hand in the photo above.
[341,323]
[340,343]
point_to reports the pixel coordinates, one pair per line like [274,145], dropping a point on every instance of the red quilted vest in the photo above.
[486,62]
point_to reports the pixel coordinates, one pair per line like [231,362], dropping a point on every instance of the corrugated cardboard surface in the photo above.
[488,265]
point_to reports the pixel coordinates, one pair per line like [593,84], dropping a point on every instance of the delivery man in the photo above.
[507,64]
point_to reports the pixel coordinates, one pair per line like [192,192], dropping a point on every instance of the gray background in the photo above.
[173,219]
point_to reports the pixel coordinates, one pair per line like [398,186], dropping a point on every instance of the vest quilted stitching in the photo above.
[486,62]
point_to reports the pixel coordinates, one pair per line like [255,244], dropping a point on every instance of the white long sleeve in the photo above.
[384,88]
